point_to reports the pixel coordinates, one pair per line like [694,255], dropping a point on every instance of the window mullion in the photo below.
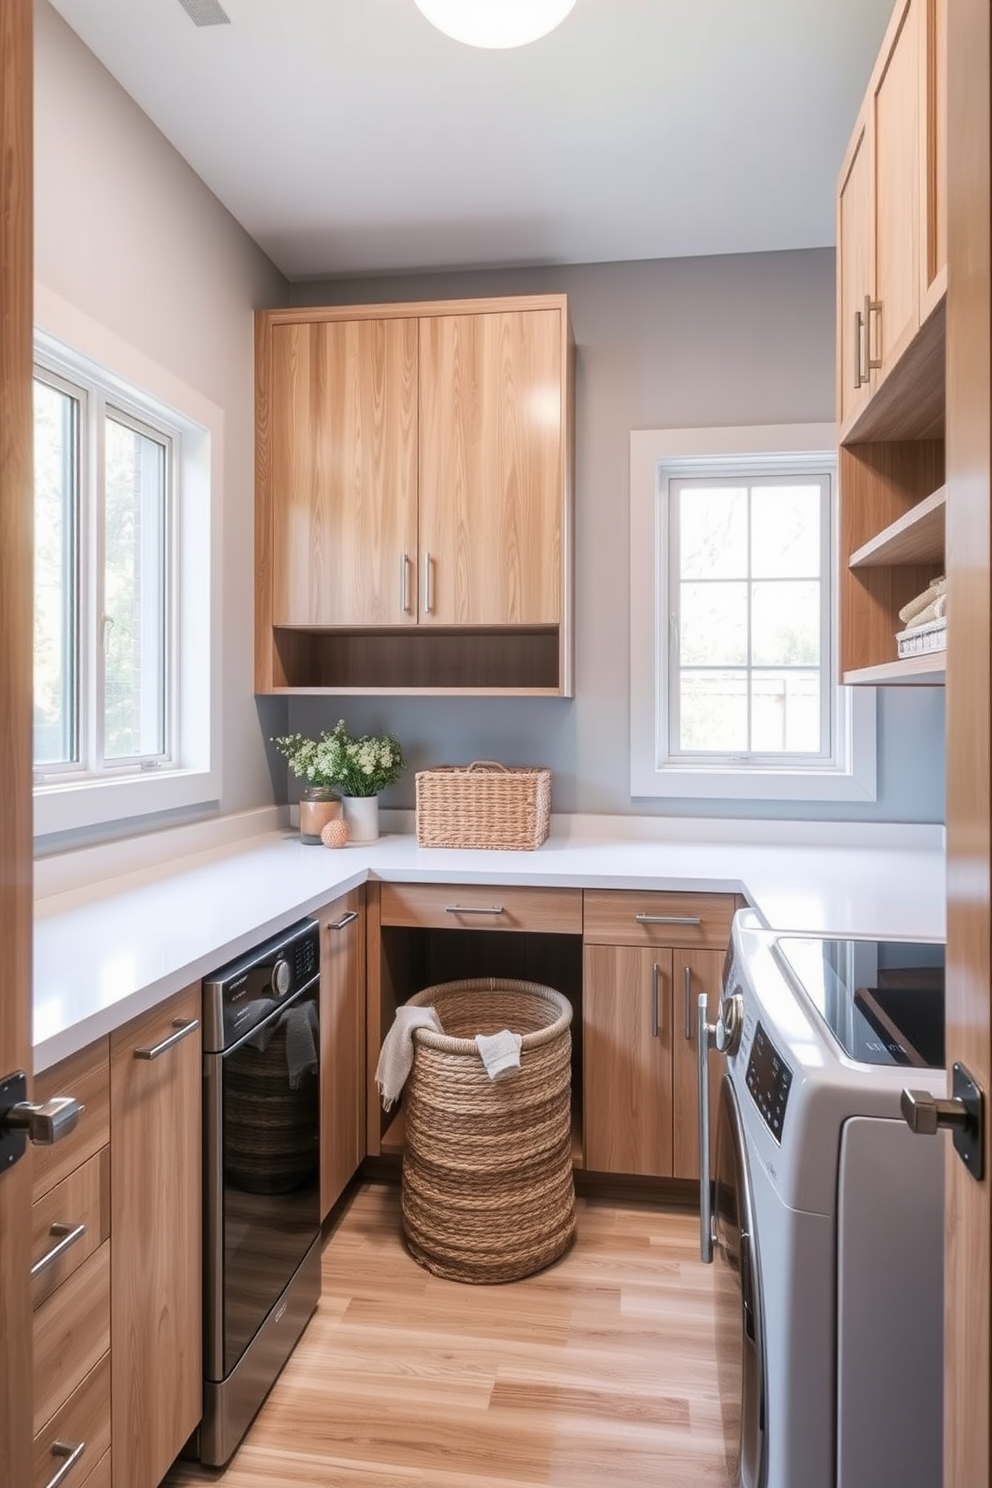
[98,649]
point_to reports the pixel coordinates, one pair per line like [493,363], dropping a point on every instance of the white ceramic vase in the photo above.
[362,815]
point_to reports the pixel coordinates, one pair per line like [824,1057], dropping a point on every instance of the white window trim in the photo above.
[195,780]
[655,454]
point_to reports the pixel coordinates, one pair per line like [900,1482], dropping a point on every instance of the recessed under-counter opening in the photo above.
[416,958]
[419,659]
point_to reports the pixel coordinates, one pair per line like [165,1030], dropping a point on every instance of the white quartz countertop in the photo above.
[113,949]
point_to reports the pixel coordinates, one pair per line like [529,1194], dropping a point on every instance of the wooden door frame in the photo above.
[968,1293]
[16,609]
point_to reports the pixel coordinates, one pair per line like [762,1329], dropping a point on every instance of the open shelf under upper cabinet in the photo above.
[915,537]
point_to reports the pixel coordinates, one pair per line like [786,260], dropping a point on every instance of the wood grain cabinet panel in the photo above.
[84,1421]
[344,472]
[645,918]
[71,1335]
[342,1045]
[86,1076]
[75,1214]
[155,1103]
[854,207]
[627,1035]
[492,440]
[898,149]
[482,907]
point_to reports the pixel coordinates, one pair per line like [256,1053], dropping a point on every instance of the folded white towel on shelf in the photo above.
[935,610]
[910,612]
[499,1051]
[396,1054]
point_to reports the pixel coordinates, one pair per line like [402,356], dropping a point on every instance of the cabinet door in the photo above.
[933,244]
[896,131]
[342,1045]
[692,972]
[491,468]
[344,472]
[155,1117]
[853,272]
[627,1060]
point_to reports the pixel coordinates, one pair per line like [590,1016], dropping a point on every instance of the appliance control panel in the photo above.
[768,1080]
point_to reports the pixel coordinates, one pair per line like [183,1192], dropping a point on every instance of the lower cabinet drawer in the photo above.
[71,1335]
[482,907]
[651,917]
[83,1422]
[68,1224]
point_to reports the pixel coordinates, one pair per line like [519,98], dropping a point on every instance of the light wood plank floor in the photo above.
[598,1373]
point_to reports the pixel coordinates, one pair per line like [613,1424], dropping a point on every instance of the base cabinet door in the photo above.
[155,1118]
[342,1044]
[627,1029]
[693,972]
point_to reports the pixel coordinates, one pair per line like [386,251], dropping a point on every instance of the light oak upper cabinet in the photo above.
[891,236]
[344,472]
[490,468]
[413,512]
[156,1304]
[342,1044]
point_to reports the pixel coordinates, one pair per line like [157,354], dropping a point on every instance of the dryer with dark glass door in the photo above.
[261,1115]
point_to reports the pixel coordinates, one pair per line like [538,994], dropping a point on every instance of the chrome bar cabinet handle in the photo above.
[872,307]
[646,919]
[655,979]
[405,583]
[346,919]
[859,331]
[71,1455]
[67,1235]
[183,1029]
[463,909]
[428,596]
[705,1042]
[687,999]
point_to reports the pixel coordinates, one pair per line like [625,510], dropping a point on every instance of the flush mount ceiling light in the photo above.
[495,23]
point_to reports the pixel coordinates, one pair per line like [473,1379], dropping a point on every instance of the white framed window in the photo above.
[126,517]
[733,623]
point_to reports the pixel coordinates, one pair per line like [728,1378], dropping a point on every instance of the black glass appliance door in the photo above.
[270,1164]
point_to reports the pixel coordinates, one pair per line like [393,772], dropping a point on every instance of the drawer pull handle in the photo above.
[646,919]
[67,1235]
[345,919]
[71,1455]
[655,979]
[687,994]
[183,1028]
[492,909]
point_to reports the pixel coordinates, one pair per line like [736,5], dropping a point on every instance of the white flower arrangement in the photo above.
[353,767]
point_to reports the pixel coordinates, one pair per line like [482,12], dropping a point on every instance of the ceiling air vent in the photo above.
[206,12]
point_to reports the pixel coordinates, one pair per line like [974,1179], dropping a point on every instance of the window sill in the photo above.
[67,807]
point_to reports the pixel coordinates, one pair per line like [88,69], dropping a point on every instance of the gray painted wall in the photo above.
[128,234]
[676,343]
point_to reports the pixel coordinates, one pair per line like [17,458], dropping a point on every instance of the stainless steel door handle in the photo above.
[67,1236]
[184,1027]
[963,1115]
[687,1001]
[405,583]
[872,307]
[464,909]
[428,596]
[45,1124]
[346,919]
[648,919]
[706,1040]
[71,1455]
[655,979]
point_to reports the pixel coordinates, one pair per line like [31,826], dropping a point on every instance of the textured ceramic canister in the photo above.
[318,806]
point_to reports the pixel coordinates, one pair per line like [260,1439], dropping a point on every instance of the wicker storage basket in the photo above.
[488,1194]
[484,804]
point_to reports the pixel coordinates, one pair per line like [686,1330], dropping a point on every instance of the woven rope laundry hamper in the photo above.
[488,1194]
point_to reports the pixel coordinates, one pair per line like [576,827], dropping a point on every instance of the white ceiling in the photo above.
[350,137]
